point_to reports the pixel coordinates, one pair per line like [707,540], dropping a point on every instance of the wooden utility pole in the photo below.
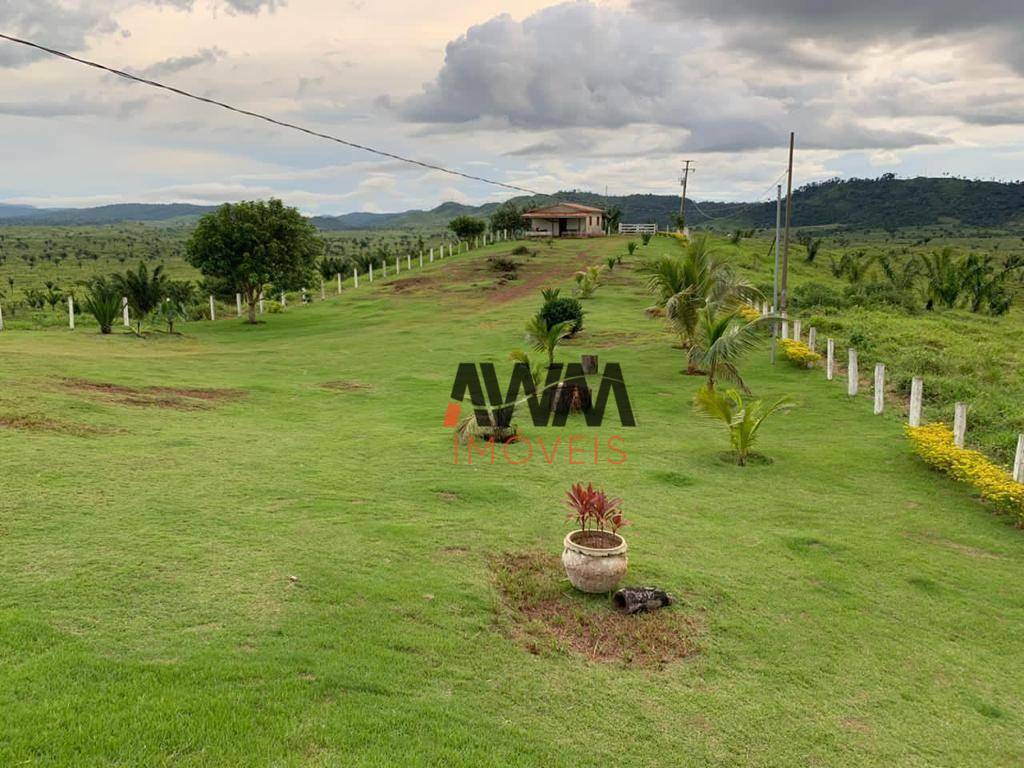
[689,165]
[784,283]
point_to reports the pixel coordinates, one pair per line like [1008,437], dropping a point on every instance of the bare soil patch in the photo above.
[546,614]
[36,423]
[175,398]
[345,386]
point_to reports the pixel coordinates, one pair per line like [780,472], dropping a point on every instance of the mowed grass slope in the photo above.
[298,575]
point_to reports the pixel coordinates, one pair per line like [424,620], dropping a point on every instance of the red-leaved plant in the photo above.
[594,508]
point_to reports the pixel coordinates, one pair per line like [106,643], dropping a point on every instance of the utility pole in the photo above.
[775,280]
[689,165]
[784,291]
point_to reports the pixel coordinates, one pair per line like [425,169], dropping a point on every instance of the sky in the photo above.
[589,94]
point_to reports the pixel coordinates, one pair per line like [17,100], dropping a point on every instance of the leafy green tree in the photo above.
[613,215]
[144,289]
[508,216]
[253,244]
[467,227]
[811,244]
[103,302]
[743,419]
[546,338]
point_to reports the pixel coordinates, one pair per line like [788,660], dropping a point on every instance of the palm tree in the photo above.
[721,340]
[742,419]
[903,276]
[944,274]
[687,286]
[103,302]
[545,338]
[144,290]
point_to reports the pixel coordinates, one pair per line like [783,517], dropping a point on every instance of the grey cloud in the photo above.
[545,73]
[182,63]
[59,25]
[73,108]
[845,19]
[254,6]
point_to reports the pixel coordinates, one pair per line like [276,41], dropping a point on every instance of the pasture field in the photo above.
[252,546]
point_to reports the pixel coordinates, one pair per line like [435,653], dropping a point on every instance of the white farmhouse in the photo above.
[565,220]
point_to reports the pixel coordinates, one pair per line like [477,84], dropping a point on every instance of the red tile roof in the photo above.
[563,211]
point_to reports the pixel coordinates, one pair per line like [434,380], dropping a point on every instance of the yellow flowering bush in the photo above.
[799,353]
[934,443]
[748,313]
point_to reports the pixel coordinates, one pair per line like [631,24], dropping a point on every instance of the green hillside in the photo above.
[253,546]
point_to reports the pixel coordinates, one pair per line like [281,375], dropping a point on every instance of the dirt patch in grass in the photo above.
[954,546]
[175,398]
[345,386]
[545,613]
[36,423]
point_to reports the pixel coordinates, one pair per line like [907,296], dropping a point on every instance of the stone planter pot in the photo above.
[594,561]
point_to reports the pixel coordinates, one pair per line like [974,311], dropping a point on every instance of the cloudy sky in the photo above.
[588,94]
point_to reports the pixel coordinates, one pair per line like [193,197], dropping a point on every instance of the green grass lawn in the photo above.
[299,575]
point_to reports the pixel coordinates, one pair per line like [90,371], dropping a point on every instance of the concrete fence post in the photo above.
[852,382]
[421,259]
[431,255]
[916,399]
[371,271]
[1018,462]
[830,361]
[124,312]
[339,283]
[323,290]
[213,312]
[785,329]
[383,268]
[398,263]
[355,277]
[238,304]
[71,313]
[812,339]
[408,261]
[879,388]
[1,318]
[263,307]
[797,330]
[960,424]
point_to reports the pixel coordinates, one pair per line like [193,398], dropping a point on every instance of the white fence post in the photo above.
[284,300]
[421,259]
[830,363]
[960,424]
[1,318]
[71,313]
[797,330]
[785,329]
[431,255]
[355,277]
[852,382]
[262,306]
[383,268]
[371,271]
[408,261]
[339,283]
[879,388]
[213,312]
[916,399]
[323,290]
[238,304]
[812,338]
[124,312]
[1018,462]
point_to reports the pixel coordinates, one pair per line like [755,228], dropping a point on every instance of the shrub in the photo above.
[503,264]
[934,443]
[588,506]
[813,295]
[748,313]
[799,353]
[467,227]
[646,238]
[520,250]
[611,261]
[103,302]
[562,310]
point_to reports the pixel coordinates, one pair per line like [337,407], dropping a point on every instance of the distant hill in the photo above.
[882,203]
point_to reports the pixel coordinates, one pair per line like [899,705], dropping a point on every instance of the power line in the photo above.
[730,214]
[266,118]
